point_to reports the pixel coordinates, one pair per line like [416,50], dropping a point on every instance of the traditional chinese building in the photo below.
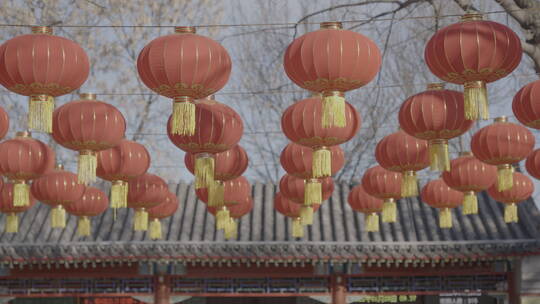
[480,260]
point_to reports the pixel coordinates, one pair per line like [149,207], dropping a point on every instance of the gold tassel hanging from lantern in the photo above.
[86,171]
[183,117]
[389,212]
[372,222]
[409,184]
[297,228]
[313,192]
[475,100]
[505,177]
[140,221]
[155,229]
[306,215]
[216,194]
[322,162]
[119,192]
[445,218]
[333,110]
[21,194]
[58,217]
[438,155]
[222,218]
[84,226]
[470,203]
[204,170]
[12,223]
[40,113]
[511,213]
[231,229]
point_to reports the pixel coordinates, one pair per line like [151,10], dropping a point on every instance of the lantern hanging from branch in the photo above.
[7,207]
[42,66]
[236,211]
[438,194]
[155,214]
[332,61]
[526,105]
[502,144]
[184,66]
[533,164]
[435,115]
[4,122]
[370,206]
[92,203]
[472,53]
[386,185]
[292,210]
[88,125]
[520,191]
[144,192]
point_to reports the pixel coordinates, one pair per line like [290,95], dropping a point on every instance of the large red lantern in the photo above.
[92,203]
[236,211]
[438,194]
[219,128]
[184,66]
[472,53]
[361,201]
[332,61]
[526,105]
[120,164]
[23,159]
[292,210]
[42,66]
[7,206]
[520,191]
[165,209]
[144,192]
[307,131]
[297,160]
[58,189]
[435,115]
[403,153]
[533,164]
[386,185]
[502,144]
[88,126]
[470,176]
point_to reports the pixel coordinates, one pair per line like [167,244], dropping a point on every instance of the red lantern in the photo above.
[361,201]
[291,209]
[297,160]
[219,129]
[58,189]
[23,159]
[92,203]
[520,191]
[331,61]
[88,126]
[307,131]
[7,206]
[526,105]
[437,194]
[236,211]
[144,192]
[470,176]
[435,115]
[165,209]
[501,144]
[385,185]
[42,66]
[403,153]
[120,164]
[472,53]
[533,164]
[184,66]
[4,121]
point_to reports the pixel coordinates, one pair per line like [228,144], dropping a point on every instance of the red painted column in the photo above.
[514,283]
[339,290]
[162,290]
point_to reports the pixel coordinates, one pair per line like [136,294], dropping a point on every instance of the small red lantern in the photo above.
[92,203]
[297,160]
[403,153]
[435,115]
[23,159]
[502,144]
[520,191]
[533,164]
[526,105]
[385,185]
[184,66]
[470,176]
[144,192]
[120,164]
[4,121]
[361,201]
[165,209]
[291,209]
[437,194]
[307,131]
[88,126]
[6,206]
[236,211]
[42,66]
[219,130]
[58,189]
[472,53]
[331,61]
